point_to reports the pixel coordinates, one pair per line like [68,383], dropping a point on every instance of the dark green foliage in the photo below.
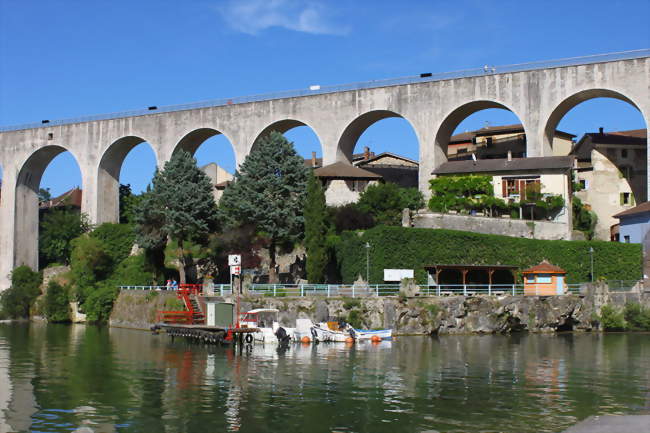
[243,240]
[461,193]
[412,248]
[354,319]
[584,220]
[386,201]
[350,303]
[44,194]
[99,303]
[637,317]
[90,263]
[132,271]
[179,206]
[118,239]
[350,217]
[25,288]
[58,228]
[57,303]
[269,192]
[129,202]
[612,319]
[316,229]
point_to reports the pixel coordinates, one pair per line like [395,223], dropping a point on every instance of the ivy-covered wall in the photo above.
[413,248]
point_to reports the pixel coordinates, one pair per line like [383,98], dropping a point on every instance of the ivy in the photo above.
[414,248]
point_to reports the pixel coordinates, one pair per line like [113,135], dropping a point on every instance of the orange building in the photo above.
[544,279]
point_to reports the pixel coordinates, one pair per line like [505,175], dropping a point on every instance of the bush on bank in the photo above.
[633,317]
[19,298]
[57,303]
[414,248]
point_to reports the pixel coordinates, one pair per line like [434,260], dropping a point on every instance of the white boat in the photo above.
[266,320]
[364,334]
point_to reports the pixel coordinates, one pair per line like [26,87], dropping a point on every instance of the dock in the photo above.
[205,334]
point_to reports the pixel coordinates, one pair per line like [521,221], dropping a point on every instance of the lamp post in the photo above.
[367,263]
[591,254]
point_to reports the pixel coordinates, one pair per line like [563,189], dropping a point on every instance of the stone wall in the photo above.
[493,226]
[418,315]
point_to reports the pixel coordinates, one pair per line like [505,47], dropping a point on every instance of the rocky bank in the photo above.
[417,315]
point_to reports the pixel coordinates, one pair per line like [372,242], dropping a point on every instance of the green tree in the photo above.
[386,201]
[128,204]
[180,206]
[57,306]
[90,262]
[316,230]
[268,191]
[44,194]
[57,229]
[25,288]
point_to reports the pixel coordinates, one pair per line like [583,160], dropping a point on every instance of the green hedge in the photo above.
[413,248]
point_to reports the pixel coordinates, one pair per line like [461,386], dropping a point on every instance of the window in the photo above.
[358,185]
[627,239]
[530,278]
[584,184]
[625,199]
[544,278]
[511,187]
[623,153]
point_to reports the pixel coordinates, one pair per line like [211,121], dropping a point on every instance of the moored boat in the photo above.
[270,330]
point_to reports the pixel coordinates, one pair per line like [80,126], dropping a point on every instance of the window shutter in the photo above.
[504,187]
[622,199]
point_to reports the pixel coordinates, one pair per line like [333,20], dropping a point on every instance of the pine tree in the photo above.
[180,206]
[268,191]
[316,228]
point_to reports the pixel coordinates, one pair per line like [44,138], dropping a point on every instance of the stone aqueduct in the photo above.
[539,96]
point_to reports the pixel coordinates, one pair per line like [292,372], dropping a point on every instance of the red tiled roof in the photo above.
[642,208]
[68,198]
[544,267]
[344,170]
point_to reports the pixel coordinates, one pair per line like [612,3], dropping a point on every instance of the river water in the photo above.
[56,378]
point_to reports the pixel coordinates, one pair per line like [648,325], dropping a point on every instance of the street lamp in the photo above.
[367,263]
[591,254]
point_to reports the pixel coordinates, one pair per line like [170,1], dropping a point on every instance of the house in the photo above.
[218,177]
[344,182]
[544,279]
[634,224]
[612,175]
[512,178]
[69,199]
[494,142]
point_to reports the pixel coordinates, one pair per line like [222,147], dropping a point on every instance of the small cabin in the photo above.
[544,279]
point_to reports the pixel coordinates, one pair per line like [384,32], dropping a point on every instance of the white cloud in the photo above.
[254,16]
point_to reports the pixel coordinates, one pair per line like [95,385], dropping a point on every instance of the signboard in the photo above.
[234,260]
[235,270]
[397,274]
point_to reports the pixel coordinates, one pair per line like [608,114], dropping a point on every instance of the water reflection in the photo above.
[59,378]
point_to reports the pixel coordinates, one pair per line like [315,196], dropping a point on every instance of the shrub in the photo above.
[118,239]
[350,303]
[612,319]
[354,319]
[413,248]
[25,288]
[386,201]
[637,317]
[99,302]
[350,217]
[57,306]
[57,229]
[132,271]
[90,262]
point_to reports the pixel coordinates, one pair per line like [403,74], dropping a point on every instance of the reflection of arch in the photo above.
[358,126]
[283,126]
[459,114]
[193,140]
[565,106]
[26,217]
[108,177]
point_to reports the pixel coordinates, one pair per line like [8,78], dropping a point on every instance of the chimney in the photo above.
[600,130]
[313,159]
[510,155]
[366,152]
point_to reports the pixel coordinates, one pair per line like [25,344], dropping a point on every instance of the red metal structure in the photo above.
[192,315]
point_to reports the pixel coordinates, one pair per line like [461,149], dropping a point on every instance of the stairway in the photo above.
[198,318]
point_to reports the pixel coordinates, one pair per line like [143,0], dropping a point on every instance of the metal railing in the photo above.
[359,291]
[319,90]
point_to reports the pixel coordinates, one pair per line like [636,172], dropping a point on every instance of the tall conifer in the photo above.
[316,229]
[268,191]
[180,206]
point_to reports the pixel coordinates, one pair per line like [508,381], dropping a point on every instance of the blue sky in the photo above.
[67,58]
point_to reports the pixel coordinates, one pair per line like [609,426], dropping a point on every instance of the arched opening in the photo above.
[51,173]
[128,161]
[384,143]
[481,129]
[305,140]
[214,155]
[611,152]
